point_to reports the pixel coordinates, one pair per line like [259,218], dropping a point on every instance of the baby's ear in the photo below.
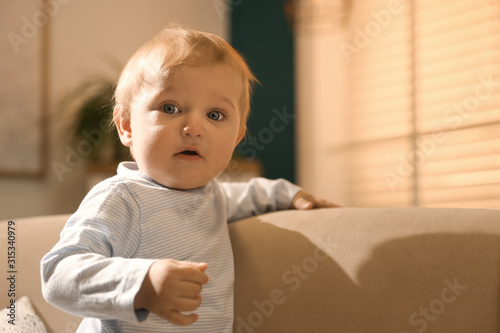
[241,134]
[122,122]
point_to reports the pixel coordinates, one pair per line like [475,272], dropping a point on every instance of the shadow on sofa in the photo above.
[435,282]
[285,283]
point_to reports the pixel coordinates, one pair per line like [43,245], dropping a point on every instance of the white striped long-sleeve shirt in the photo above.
[126,223]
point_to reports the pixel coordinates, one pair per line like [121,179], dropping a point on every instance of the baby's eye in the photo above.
[215,115]
[170,109]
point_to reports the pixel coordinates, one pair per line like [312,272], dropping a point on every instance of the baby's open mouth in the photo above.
[189,155]
[188,152]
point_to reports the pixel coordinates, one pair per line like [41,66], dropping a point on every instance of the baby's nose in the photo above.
[192,129]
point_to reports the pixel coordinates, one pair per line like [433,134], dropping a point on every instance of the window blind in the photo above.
[423,103]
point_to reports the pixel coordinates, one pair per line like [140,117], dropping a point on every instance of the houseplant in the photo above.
[90,106]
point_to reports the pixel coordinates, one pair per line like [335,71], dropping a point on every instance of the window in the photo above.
[423,103]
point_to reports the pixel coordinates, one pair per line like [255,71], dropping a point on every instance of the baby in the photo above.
[148,250]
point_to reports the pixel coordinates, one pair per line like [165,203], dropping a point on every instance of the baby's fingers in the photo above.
[193,272]
[303,203]
[177,318]
[185,304]
[305,200]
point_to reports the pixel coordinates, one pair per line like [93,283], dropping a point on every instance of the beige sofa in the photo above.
[330,270]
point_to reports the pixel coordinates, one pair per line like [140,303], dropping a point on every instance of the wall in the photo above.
[84,35]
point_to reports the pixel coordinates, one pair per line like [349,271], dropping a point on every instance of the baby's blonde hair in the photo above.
[171,49]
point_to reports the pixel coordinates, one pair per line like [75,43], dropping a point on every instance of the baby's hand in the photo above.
[305,200]
[171,287]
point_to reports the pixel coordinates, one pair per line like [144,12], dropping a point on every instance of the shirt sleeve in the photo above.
[258,196]
[91,271]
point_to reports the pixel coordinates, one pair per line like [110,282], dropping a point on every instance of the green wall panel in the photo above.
[259,31]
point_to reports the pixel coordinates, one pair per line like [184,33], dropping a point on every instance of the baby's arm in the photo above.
[261,195]
[91,271]
[172,287]
[257,196]
[92,285]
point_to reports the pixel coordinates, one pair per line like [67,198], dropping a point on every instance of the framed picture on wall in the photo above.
[23,88]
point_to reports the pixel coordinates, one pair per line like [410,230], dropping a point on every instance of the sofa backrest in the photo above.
[352,270]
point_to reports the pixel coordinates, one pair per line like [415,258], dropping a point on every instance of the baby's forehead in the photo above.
[190,75]
[186,78]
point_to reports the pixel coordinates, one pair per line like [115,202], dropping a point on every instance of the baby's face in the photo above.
[183,135]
